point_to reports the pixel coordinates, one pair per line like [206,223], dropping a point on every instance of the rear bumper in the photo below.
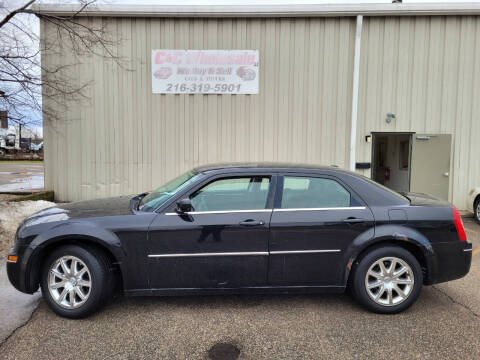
[450,261]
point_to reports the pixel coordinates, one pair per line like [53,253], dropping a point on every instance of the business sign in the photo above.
[205,71]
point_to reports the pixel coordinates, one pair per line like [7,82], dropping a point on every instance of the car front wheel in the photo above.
[387,280]
[75,281]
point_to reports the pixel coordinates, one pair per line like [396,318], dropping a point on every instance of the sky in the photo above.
[32,21]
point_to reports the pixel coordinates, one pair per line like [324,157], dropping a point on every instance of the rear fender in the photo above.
[391,234]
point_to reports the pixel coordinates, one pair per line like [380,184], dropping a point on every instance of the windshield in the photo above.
[159,196]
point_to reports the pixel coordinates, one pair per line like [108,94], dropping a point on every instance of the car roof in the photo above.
[271,166]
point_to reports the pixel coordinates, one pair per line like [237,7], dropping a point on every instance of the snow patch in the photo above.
[11,214]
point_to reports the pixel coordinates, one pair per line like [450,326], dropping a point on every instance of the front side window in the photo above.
[160,196]
[311,192]
[243,193]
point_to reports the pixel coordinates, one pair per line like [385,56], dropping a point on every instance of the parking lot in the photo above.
[21,176]
[443,324]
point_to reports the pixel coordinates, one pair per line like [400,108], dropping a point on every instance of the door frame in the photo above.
[329,256]
[168,211]
[170,205]
[390,133]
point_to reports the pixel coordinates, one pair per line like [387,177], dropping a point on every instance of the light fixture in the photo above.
[390,117]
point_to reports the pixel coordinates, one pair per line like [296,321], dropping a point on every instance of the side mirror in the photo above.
[184,206]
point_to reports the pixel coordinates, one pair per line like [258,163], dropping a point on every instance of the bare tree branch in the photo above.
[31,87]
[20,10]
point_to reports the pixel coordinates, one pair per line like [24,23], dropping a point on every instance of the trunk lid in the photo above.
[420,199]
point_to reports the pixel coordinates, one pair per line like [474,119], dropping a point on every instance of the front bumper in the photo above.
[19,273]
[450,261]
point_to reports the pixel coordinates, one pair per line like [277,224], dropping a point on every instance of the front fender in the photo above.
[391,233]
[79,230]
[74,230]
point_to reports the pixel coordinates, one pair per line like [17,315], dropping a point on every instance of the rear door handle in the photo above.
[251,222]
[353,220]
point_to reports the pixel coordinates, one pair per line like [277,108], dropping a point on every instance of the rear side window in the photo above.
[243,193]
[313,192]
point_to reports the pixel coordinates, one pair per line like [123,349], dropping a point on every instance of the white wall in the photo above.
[127,140]
[426,70]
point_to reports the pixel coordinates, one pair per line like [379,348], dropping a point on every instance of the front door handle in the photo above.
[353,220]
[251,222]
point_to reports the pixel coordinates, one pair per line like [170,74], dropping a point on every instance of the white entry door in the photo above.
[430,171]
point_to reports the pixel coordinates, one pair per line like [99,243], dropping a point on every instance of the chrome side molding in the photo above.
[222,212]
[323,209]
[246,253]
[266,210]
[304,251]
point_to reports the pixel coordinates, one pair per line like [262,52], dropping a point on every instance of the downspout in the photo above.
[356,73]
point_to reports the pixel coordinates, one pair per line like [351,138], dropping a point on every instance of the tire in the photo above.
[476,210]
[96,281]
[387,287]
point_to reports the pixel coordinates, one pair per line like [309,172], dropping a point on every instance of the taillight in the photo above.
[459,225]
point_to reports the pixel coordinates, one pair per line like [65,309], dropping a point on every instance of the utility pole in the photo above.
[3,114]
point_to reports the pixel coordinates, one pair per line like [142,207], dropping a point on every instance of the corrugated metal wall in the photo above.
[426,70]
[128,140]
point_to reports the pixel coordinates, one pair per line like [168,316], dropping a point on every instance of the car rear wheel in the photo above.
[476,210]
[75,281]
[387,280]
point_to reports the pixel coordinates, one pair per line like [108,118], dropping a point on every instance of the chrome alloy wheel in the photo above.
[478,210]
[69,282]
[389,281]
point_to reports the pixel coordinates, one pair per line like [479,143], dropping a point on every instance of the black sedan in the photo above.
[243,229]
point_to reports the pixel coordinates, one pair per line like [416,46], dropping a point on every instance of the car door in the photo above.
[314,220]
[222,243]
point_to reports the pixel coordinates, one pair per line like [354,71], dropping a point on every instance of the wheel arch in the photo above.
[477,199]
[407,238]
[39,254]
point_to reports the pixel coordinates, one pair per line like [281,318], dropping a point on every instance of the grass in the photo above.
[18,162]
[42,195]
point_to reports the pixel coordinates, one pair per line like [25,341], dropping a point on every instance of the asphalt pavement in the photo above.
[443,324]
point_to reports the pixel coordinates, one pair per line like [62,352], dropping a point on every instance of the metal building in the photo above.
[393,93]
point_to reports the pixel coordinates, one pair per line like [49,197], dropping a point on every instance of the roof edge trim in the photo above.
[298,10]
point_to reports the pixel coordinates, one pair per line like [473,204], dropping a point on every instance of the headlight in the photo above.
[45,219]
[46,216]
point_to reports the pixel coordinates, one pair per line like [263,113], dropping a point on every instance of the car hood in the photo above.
[420,199]
[114,206]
